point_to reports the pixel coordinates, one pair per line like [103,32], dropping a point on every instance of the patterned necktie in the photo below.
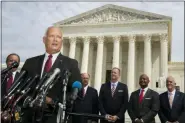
[113,89]
[48,64]
[9,82]
[170,99]
[141,95]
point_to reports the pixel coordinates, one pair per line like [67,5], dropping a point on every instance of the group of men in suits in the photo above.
[144,104]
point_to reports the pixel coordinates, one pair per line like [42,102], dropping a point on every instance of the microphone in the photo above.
[77,86]
[30,84]
[18,80]
[24,84]
[51,78]
[45,76]
[13,65]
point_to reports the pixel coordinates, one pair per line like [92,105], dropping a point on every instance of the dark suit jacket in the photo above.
[177,113]
[3,88]
[148,108]
[115,105]
[86,104]
[34,66]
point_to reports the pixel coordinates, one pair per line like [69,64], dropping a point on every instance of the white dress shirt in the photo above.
[13,74]
[54,57]
[173,94]
[145,90]
[85,89]
[115,84]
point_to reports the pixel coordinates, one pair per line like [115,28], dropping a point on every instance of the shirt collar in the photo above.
[13,73]
[114,83]
[173,92]
[86,87]
[145,89]
[53,55]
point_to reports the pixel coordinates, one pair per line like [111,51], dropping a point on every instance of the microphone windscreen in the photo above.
[77,84]
[15,64]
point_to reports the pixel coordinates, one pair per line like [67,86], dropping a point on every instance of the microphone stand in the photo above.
[62,106]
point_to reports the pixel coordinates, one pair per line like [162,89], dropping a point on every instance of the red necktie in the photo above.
[83,92]
[141,95]
[48,64]
[9,82]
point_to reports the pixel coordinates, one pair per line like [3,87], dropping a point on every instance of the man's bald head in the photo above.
[53,40]
[170,83]
[144,80]
[51,28]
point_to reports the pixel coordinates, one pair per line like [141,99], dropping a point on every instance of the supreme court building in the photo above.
[114,36]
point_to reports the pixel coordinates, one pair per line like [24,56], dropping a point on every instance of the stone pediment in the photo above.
[110,14]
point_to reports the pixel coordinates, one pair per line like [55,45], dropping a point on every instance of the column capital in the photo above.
[86,39]
[147,37]
[117,38]
[163,37]
[100,39]
[72,40]
[132,38]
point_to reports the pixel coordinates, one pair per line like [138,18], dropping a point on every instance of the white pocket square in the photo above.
[147,98]
[120,90]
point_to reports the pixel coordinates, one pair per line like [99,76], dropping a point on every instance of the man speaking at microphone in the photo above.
[13,74]
[48,62]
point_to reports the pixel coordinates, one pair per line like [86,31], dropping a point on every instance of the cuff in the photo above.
[136,119]
[142,121]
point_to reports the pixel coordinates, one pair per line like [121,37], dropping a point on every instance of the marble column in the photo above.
[116,51]
[62,48]
[131,63]
[164,54]
[72,49]
[147,57]
[99,63]
[85,56]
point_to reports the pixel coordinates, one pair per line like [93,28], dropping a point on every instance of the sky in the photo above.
[24,23]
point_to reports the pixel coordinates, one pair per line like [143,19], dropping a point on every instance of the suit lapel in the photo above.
[87,92]
[58,63]
[109,88]
[40,63]
[167,100]
[146,95]
[16,75]
[116,90]
[176,97]
[137,97]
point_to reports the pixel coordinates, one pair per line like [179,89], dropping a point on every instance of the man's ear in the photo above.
[44,39]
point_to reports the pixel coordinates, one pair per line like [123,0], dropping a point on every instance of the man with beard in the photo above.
[172,104]
[143,103]
[113,99]
[87,102]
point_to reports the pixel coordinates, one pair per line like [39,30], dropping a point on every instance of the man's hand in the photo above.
[48,100]
[169,122]
[114,118]
[108,117]
[138,121]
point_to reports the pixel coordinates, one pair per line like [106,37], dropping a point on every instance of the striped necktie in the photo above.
[113,89]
